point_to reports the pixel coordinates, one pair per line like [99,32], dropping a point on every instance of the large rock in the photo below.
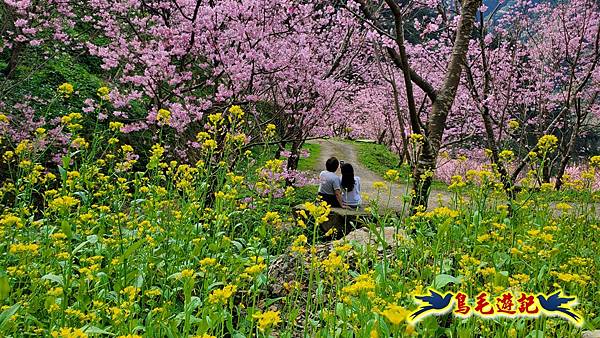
[342,221]
[388,236]
[590,334]
[295,267]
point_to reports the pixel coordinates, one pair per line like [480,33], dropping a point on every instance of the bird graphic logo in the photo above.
[556,304]
[432,304]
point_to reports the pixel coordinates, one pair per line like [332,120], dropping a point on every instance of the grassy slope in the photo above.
[308,192]
[302,194]
[308,163]
[379,158]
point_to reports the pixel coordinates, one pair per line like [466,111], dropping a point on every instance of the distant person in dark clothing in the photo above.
[329,187]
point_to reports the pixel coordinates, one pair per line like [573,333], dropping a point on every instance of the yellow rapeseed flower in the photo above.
[65,89]
[215,118]
[115,126]
[68,332]
[103,93]
[563,206]
[547,143]
[506,156]
[267,319]
[187,273]
[416,138]
[236,111]
[392,175]
[395,314]
[378,185]
[270,130]
[209,144]
[221,296]
[163,116]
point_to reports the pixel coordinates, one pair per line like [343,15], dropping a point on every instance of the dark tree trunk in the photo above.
[13,62]
[280,149]
[426,162]
[567,153]
[294,158]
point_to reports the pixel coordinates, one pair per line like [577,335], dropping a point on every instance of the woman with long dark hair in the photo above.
[350,185]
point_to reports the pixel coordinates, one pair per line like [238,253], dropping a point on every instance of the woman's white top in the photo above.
[353,197]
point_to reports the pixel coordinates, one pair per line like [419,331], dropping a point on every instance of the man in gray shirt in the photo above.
[329,187]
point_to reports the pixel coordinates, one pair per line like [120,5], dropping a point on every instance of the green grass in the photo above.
[309,163]
[379,158]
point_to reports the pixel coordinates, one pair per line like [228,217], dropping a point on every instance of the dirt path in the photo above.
[348,153]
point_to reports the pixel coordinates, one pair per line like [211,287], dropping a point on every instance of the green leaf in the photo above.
[65,227]
[96,330]
[63,171]
[79,247]
[54,278]
[535,334]
[4,286]
[132,249]
[6,314]
[93,239]
[442,280]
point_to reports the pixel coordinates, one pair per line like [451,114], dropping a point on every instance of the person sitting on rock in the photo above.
[350,185]
[329,187]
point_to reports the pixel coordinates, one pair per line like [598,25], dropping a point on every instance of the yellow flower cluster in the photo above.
[299,244]
[63,203]
[595,161]
[334,264]
[392,175]
[24,248]
[270,130]
[208,261]
[267,320]
[216,118]
[547,143]
[572,277]
[71,118]
[395,314]
[209,144]
[187,273]
[318,212]
[362,283]
[65,89]
[221,296]
[506,156]
[115,126]
[11,220]
[103,93]
[456,182]
[163,116]
[274,165]
[442,212]
[416,138]
[131,292]
[272,218]
[236,111]
[513,124]
[378,185]
[68,332]
[255,269]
